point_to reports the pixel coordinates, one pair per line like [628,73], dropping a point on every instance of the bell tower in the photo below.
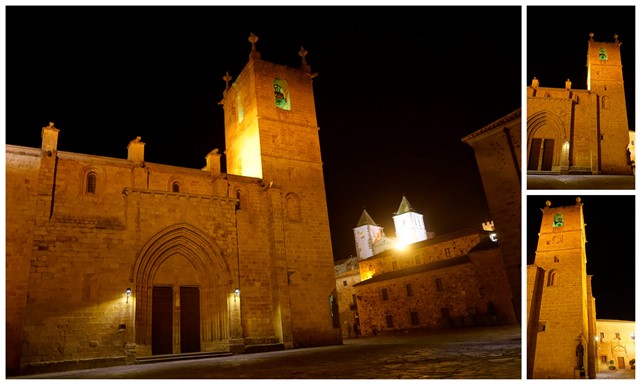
[560,325]
[409,224]
[271,134]
[604,78]
[366,233]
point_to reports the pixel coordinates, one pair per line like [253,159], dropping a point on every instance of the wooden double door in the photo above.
[541,154]
[173,316]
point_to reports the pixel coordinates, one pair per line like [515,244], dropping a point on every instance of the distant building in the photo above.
[581,131]
[108,260]
[452,280]
[615,344]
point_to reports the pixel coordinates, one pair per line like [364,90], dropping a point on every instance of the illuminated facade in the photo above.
[615,344]
[560,304]
[452,280]
[109,260]
[573,131]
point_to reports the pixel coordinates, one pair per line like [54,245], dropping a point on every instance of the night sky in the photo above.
[555,54]
[398,88]
[611,235]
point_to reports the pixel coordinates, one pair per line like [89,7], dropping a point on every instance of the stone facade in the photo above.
[615,342]
[561,309]
[214,261]
[452,280]
[581,131]
[497,148]
[347,275]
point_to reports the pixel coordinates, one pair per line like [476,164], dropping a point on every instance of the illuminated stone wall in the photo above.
[615,340]
[464,286]
[347,274]
[589,127]
[497,148]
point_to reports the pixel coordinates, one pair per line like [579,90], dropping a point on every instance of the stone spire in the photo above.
[404,206]
[365,219]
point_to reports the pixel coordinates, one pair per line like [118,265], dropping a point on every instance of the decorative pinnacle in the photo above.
[254,53]
[591,36]
[303,52]
[616,38]
[548,203]
[227,78]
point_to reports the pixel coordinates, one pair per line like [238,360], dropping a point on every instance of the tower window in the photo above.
[558,220]
[602,53]
[385,294]
[553,279]
[91,182]
[389,320]
[344,283]
[414,318]
[175,187]
[409,290]
[439,286]
[281,94]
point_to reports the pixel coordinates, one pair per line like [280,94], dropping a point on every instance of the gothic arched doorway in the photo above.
[182,284]
[546,140]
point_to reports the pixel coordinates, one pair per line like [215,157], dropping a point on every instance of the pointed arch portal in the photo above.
[546,138]
[188,274]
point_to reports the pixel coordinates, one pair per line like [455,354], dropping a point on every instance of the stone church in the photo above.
[109,260]
[581,131]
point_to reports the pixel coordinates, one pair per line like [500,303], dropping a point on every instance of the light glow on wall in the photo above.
[244,157]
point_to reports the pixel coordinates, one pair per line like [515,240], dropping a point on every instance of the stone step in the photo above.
[180,356]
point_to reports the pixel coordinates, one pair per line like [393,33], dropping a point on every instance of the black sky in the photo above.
[398,88]
[557,38]
[611,235]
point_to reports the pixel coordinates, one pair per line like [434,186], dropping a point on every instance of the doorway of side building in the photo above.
[621,363]
[540,154]
[168,320]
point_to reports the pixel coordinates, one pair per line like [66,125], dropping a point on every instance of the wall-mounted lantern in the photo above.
[236,294]
[128,292]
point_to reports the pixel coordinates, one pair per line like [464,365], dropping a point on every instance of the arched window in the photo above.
[92,179]
[552,278]
[281,94]
[603,54]
[239,201]
[175,187]
[605,102]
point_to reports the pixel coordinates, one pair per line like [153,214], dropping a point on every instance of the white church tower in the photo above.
[367,232]
[409,224]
